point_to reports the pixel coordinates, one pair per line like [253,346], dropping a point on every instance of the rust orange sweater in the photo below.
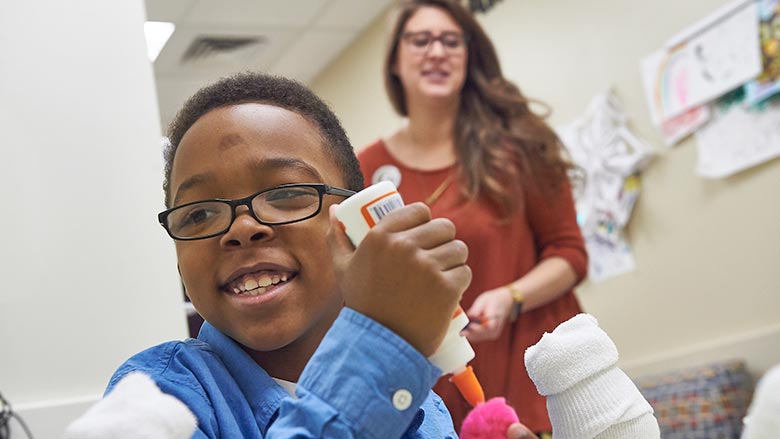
[499,253]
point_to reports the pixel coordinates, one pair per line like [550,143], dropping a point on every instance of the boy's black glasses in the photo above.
[285,204]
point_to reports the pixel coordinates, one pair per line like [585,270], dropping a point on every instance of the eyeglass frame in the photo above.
[322,190]
[440,38]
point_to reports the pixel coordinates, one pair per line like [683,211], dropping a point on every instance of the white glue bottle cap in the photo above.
[358,214]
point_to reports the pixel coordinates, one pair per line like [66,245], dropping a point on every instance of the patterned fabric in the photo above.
[705,402]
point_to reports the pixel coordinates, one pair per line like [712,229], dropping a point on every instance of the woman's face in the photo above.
[232,152]
[432,57]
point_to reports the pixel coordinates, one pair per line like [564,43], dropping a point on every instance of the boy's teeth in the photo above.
[257,291]
[254,286]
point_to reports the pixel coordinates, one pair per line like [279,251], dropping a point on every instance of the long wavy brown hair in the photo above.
[501,145]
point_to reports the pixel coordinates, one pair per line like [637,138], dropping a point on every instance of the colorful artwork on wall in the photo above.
[703,62]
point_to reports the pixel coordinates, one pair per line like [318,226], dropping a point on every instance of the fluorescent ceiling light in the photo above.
[157,34]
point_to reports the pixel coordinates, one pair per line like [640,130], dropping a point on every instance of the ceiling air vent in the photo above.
[207,47]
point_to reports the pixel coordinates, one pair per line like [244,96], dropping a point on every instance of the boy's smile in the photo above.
[257,280]
[271,288]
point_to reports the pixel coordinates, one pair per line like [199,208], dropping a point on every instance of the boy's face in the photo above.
[233,152]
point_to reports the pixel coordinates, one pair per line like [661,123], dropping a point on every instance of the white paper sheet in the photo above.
[611,156]
[714,58]
[608,260]
[737,138]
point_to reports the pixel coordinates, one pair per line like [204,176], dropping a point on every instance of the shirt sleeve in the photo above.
[553,220]
[364,381]
[168,366]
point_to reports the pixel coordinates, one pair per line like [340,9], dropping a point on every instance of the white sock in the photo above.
[588,396]
[763,418]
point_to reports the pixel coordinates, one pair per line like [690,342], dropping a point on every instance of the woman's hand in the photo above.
[519,431]
[491,309]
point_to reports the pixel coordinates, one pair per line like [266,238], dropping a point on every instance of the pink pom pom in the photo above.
[489,420]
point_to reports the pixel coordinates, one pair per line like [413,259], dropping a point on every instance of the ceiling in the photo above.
[293,38]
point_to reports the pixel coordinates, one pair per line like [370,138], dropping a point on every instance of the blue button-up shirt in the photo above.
[356,385]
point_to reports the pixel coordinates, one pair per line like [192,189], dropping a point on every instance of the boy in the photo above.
[291,308]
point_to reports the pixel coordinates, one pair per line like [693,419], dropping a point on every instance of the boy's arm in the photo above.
[370,375]
[136,408]
[364,381]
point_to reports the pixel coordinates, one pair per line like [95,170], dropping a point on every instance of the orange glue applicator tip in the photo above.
[469,387]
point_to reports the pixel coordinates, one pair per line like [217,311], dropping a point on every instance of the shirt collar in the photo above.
[261,392]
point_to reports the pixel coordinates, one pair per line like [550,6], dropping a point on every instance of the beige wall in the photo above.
[707,283]
[353,85]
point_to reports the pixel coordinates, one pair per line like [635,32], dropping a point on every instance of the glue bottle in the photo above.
[358,214]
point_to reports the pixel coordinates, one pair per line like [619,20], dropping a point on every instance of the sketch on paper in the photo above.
[738,137]
[610,156]
[714,58]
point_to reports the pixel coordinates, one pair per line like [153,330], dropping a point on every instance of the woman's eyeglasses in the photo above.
[421,42]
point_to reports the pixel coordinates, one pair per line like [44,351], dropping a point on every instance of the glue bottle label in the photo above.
[375,210]
[360,212]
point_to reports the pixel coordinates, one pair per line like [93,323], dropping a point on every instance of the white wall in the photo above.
[88,276]
[707,251]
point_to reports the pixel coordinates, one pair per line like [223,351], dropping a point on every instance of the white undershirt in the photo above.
[289,386]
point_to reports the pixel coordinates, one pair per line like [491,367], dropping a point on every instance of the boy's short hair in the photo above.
[272,90]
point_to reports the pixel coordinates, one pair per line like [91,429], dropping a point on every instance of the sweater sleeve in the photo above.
[553,220]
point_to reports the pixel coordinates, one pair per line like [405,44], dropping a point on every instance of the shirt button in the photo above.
[402,399]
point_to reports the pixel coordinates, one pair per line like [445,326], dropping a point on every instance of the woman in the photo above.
[475,153]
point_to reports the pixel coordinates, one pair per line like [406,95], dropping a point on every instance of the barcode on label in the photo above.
[382,208]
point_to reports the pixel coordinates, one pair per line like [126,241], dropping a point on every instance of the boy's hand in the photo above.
[408,273]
